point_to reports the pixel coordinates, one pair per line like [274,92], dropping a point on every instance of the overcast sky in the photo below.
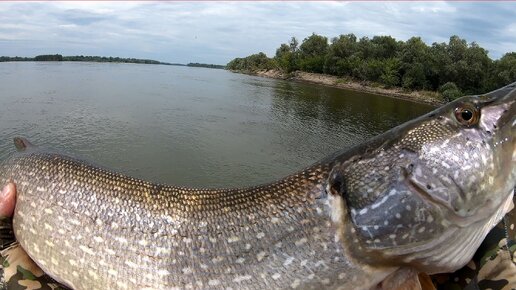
[216,32]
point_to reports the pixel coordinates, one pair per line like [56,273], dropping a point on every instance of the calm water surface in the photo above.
[186,126]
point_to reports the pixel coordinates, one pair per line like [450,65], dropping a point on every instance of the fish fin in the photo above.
[403,279]
[22,143]
[426,282]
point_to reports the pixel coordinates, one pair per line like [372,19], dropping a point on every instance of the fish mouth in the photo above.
[421,191]
[454,215]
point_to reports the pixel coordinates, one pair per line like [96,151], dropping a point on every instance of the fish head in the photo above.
[463,157]
[426,193]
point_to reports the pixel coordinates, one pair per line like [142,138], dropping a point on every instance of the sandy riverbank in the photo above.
[426,97]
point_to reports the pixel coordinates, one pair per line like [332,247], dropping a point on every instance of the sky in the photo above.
[216,32]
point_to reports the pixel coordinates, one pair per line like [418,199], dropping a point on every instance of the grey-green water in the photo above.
[186,126]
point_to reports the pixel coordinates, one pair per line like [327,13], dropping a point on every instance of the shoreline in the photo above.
[424,97]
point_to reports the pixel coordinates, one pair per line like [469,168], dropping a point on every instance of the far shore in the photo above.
[425,97]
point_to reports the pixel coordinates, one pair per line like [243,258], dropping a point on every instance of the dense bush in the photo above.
[449,91]
[253,62]
[456,66]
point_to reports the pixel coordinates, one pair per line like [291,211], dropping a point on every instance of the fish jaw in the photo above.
[426,188]
[454,248]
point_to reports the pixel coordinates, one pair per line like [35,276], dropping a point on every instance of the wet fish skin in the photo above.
[431,192]
[92,228]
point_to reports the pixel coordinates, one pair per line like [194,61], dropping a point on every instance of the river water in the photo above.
[186,126]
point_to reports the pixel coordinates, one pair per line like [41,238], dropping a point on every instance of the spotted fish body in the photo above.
[124,233]
[419,197]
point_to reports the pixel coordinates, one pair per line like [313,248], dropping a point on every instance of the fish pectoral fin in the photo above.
[426,282]
[406,279]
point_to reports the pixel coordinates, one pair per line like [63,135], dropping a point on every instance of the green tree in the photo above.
[285,58]
[452,68]
[384,47]
[372,70]
[337,59]
[235,64]
[49,57]
[251,63]
[450,92]
[390,76]
[437,64]
[414,57]
[504,71]
[414,77]
[468,65]
[478,65]
[457,48]
[293,44]
[365,48]
[312,53]
[355,63]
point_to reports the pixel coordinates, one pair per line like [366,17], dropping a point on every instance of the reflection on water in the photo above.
[188,126]
[334,117]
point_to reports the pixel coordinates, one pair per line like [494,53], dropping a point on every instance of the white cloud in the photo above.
[433,7]
[216,32]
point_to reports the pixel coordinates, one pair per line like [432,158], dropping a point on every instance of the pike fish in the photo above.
[418,198]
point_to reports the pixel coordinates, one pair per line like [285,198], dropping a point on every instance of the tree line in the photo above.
[206,65]
[454,68]
[58,57]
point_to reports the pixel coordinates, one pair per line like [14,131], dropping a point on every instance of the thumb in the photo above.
[7,200]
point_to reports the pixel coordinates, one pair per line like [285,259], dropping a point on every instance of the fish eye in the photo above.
[467,115]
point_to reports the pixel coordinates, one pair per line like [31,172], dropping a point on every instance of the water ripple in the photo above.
[186,126]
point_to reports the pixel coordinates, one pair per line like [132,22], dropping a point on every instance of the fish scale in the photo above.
[233,234]
[410,200]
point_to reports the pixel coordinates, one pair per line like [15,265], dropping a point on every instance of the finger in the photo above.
[7,200]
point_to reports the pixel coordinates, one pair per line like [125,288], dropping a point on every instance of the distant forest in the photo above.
[58,57]
[206,65]
[454,68]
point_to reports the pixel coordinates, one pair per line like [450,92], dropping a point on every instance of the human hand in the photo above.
[17,270]
[7,200]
